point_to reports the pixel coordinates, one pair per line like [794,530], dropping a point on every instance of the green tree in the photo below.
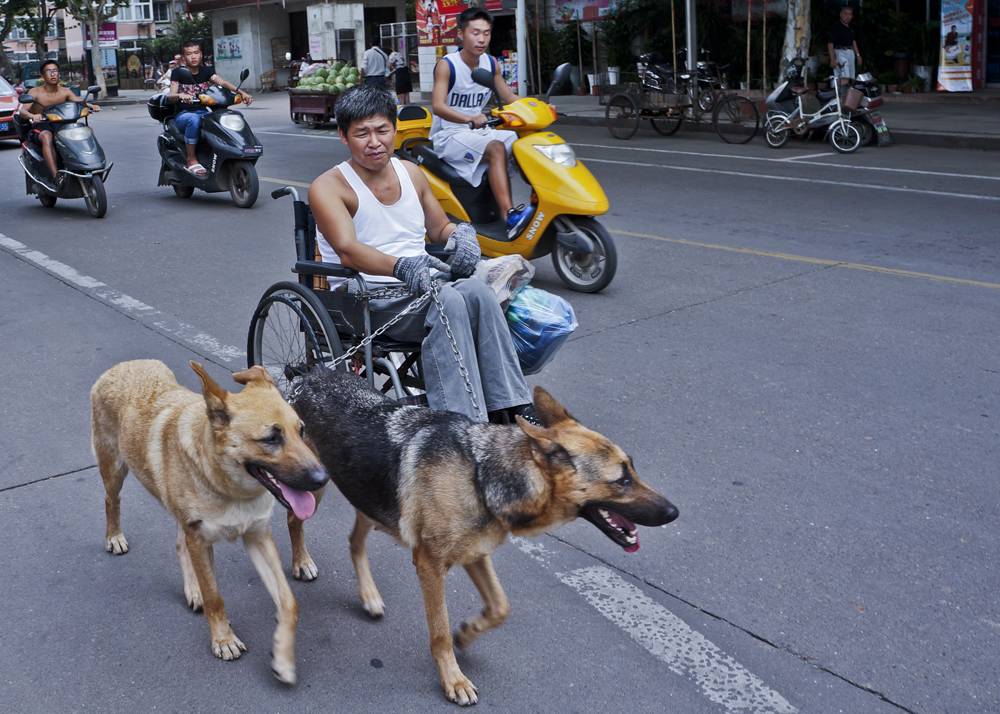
[91,13]
[12,9]
[37,21]
[193,27]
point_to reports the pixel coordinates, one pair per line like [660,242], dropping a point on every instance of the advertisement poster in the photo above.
[955,70]
[228,47]
[437,21]
[568,11]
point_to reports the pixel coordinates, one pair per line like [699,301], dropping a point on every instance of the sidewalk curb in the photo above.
[982,142]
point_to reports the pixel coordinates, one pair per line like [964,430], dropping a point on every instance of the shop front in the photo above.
[259,36]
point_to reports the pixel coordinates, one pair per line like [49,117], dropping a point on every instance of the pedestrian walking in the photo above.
[842,46]
[375,66]
[399,70]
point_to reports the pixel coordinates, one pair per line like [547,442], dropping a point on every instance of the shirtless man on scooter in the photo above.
[48,94]
[459,132]
[186,83]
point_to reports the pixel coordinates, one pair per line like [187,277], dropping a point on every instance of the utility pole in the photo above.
[691,27]
[521,26]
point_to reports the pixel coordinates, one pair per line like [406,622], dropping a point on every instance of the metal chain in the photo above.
[408,310]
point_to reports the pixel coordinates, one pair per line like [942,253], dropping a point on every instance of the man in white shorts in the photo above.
[373,213]
[459,131]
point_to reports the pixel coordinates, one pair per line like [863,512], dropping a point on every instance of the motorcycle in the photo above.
[786,113]
[565,196]
[227,147]
[863,100]
[657,75]
[82,166]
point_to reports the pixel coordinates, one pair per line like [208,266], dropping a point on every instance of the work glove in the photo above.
[415,271]
[465,245]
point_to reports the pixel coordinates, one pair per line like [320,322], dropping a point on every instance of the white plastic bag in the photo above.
[505,275]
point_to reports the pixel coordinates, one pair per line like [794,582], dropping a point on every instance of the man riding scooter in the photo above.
[186,90]
[460,135]
[46,95]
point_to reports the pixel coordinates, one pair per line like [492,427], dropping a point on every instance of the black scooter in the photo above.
[82,167]
[227,147]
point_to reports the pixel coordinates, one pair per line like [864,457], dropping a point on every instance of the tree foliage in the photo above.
[37,21]
[191,27]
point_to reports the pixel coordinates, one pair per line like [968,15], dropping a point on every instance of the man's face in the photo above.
[192,56]
[370,141]
[50,75]
[476,37]
[846,15]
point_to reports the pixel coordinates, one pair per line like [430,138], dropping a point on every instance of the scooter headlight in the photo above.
[76,133]
[233,122]
[562,154]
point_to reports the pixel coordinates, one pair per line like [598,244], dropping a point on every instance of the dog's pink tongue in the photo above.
[303,503]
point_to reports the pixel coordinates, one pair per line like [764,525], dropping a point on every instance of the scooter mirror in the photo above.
[483,78]
[244,74]
[26,99]
[182,75]
[559,78]
[95,90]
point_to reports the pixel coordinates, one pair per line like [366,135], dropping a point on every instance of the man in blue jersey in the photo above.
[459,132]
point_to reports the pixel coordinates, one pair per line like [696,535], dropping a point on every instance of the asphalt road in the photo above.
[800,350]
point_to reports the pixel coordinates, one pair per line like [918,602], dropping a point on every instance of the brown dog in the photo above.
[217,461]
[452,490]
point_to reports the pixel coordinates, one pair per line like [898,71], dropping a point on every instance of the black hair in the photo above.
[46,63]
[473,13]
[192,43]
[361,102]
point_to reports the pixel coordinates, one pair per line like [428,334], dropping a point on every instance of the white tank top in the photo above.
[464,95]
[396,230]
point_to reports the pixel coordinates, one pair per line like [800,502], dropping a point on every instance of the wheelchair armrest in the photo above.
[438,251]
[313,267]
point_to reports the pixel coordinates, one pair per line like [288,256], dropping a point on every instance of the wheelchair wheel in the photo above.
[290,333]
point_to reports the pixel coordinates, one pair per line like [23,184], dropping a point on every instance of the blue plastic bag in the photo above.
[539,323]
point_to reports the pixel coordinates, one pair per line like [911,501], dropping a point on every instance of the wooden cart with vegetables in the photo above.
[313,102]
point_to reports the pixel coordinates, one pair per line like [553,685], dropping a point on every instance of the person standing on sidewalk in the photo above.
[375,66]
[399,70]
[843,47]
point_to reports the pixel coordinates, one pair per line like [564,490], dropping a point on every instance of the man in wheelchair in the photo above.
[372,213]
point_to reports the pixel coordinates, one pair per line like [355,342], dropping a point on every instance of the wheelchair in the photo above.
[296,326]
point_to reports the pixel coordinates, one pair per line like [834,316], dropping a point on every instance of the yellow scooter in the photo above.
[564,194]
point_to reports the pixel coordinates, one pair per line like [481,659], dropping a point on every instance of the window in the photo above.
[161,12]
[135,11]
[230,27]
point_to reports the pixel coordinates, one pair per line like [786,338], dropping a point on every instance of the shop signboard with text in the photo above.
[107,35]
[437,20]
[955,66]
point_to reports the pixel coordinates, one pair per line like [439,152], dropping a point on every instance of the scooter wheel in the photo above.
[587,273]
[183,191]
[95,196]
[243,184]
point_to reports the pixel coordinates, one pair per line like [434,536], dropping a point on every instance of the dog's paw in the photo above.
[116,544]
[465,635]
[372,604]
[284,671]
[461,691]
[228,647]
[305,570]
[192,593]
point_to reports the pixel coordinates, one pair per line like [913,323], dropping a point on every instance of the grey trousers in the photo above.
[482,336]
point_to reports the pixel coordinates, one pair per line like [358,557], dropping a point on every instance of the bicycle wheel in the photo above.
[667,124]
[622,116]
[736,119]
[845,138]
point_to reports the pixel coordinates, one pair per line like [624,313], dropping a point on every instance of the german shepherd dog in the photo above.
[451,490]
[217,461]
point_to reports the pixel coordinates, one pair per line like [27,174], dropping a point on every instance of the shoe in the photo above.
[48,184]
[517,219]
[528,413]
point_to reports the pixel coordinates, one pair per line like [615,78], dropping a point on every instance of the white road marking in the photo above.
[806,156]
[856,167]
[796,179]
[684,651]
[127,305]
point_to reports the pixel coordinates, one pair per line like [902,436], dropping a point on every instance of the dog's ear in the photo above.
[544,448]
[254,374]
[548,409]
[215,397]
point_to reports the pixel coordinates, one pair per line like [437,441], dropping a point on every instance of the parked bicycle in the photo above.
[786,113]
